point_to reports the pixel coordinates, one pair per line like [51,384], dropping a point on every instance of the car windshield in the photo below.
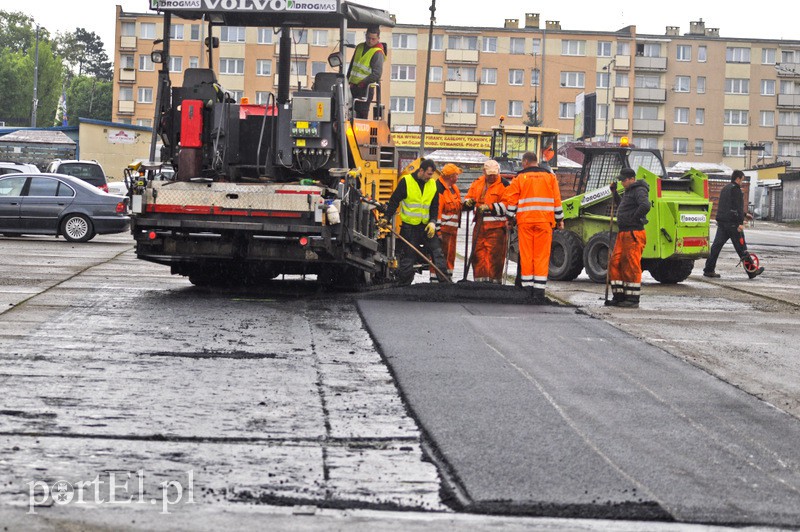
[91,173]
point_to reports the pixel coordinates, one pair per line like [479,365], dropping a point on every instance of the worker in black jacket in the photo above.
[625,266]
[730,226]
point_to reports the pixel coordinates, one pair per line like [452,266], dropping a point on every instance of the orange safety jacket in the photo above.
[491,196]
[534,198]
[449,208]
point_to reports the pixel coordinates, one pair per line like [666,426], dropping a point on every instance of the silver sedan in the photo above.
[53,204]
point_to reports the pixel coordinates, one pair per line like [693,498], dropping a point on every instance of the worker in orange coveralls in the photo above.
[534,199]
[491,230]
[449,215]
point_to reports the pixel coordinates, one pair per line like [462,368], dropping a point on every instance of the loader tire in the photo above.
[566,256]
[671,271]
[596,254]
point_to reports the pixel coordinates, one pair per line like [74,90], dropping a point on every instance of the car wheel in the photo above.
[77,228]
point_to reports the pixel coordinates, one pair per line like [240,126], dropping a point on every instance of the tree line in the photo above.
[73,62]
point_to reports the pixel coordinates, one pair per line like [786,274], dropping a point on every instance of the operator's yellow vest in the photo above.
[360,68]
[415,208]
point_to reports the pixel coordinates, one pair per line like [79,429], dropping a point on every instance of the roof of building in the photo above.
[37,136]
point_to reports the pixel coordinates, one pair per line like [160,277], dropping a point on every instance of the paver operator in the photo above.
[366,68]
[490,235]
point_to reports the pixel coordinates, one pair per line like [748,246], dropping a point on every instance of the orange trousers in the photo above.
[534,254]
[490,254]
[449,249]
[625,267]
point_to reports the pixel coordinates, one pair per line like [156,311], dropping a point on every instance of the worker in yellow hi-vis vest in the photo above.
[366,68]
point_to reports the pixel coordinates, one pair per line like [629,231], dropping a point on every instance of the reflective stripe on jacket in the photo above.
[492,196]
[533,196]
[450,208]
[415,207]
[361,69]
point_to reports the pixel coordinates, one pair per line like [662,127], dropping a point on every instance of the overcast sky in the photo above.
[772,20]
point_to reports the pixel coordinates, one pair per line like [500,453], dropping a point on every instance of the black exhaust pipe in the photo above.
[284,65]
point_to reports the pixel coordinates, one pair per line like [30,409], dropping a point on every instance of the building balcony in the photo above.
[460,119]
[788,100]
[621,93]
[126,107]
[650,63]
[127,75]
[294,79]
[620,124]
[645,94]
[127,42]
[641,125]
[461,56]
[299,50]
[622,62]
[788,132]
[788,70]
[461,87]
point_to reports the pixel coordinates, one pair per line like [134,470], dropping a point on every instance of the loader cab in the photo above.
[510,142]
[601,165]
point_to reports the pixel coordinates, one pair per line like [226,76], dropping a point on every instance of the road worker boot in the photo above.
[756,272]
[537,296]
[615,300]
[629,302]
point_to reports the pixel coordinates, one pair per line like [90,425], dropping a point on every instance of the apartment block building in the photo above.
[696,96]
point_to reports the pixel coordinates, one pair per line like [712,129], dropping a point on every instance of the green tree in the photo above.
[18,31]
[84,54]
[16,76]
[88,97]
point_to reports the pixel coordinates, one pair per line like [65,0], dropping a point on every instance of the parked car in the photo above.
[55,204]
[17,168]
[89,171]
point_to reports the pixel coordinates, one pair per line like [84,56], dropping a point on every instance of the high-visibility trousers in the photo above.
[449,250]
[534,254]
[625,266]
[490,254]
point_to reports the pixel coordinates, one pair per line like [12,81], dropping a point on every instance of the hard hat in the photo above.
[491,167]
[450,169]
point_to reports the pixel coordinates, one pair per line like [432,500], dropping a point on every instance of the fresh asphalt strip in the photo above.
[543,410]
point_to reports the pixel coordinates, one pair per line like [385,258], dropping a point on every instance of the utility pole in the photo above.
[35,80]
[427,80]
[608,93]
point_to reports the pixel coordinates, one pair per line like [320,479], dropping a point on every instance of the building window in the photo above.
[262,97]
[733,148]
[462,42]
[680,146]
[681,115]
[231,65]
[575,80]
[147,30]
[350,38]
[487,107]
[437,43]
[515,108]
[648,50]
[736,54]
[318,67]
[300,36]
[537,46]
[603,48]
[231,34]
[319,38]
[488,76]
[126,60]
[699,116]
[789,87]
[602,79]
[402,105]
[404,41]
[767,119]
[265,35]
[647,81]
[621,111]
[194,61]
[489,45]
[434,106]
[623,48]
[701,84]
[566,110]
[768,56]
[176,32]
[788,119]
[194,32]
[767,87]
[602,111]
[404,73]
[698,146]
[436,74]
[702,54]
[645,112]
[236,95]
[737,86]
[144,122]
[735,117]
[299,68]
[517,46]
[790,56]
[767,150]
[516,76]
[175,64]
[263,67]
[145,95]
[684,52]
[128,29]
[621,79]
[126,94]
[462,74]
[570,47]
[535,77]
[683,83]
[460,105]
[145,63]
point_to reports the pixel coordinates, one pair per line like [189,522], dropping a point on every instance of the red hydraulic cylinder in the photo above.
[192,124]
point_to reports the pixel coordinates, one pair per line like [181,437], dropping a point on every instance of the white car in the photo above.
[17,168]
